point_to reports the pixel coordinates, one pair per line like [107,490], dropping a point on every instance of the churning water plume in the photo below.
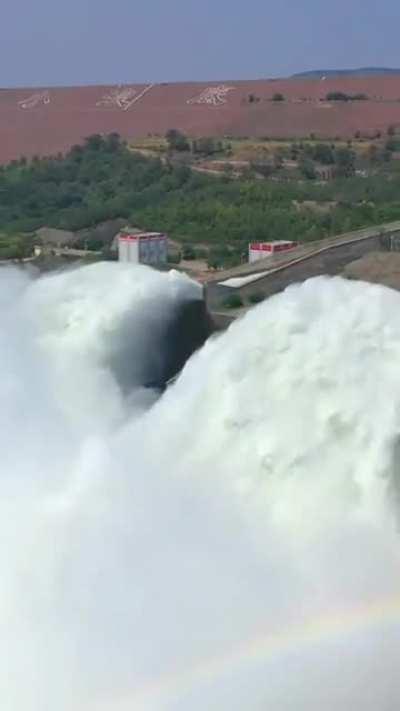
[230,546]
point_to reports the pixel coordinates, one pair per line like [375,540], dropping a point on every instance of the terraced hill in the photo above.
[45,121]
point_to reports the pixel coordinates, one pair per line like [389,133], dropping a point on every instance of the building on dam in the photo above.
[261,250]
[139,247]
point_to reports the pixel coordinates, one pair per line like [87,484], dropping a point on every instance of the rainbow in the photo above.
[334,625]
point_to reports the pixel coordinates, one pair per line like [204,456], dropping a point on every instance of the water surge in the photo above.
[229,545]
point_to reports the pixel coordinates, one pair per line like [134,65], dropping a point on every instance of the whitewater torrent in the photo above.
[231,545]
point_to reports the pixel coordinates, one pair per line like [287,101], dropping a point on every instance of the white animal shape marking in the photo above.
[119,98]
[213,95]
[35,100]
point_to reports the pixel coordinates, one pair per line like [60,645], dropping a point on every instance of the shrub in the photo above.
[391,145]
[337,96]
[233,301]
[307,169]
[265,169]
[177,141]
[323,153]
[202,253]
[188,252]
[174,257]
[206,146]
[341,96]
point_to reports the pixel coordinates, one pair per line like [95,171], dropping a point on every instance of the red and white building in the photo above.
[261,250]
[142,247]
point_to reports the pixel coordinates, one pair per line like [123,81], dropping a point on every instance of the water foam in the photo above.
[230,546]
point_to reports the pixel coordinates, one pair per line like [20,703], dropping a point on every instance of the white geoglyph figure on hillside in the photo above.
[213,95]
[40,98]
[119,98]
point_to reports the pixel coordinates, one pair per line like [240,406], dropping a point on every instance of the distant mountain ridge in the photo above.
[332,73]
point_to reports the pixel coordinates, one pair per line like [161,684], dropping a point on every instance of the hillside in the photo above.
[49,120]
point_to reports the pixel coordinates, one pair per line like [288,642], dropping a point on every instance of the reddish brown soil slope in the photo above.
[45,121]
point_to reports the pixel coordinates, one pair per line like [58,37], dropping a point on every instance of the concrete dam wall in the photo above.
[298,266]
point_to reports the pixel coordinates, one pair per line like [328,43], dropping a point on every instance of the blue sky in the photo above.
[97,41]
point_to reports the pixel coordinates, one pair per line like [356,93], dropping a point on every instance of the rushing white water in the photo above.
[232,546]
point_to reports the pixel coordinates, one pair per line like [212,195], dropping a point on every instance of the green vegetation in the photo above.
[278,97]
[15,246]
[323,153]
[177,141]
[345,163]
[206,146]
[342,158]
[234,301]
[215,217]
[393,144]
[174,257]
[306,167]
[340,96]
[305,161]
[189,252]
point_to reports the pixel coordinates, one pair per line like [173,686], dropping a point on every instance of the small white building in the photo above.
[142,247]
[261,250]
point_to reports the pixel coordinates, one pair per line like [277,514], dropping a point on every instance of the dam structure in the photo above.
[272,275]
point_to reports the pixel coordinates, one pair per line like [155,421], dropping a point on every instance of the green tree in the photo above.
[95,142]
[206,146]
[323,153]
[345,162]
[113,142]
[188,252]
[307,169]
[391,145]
[177,141]
[337,96]
[233,301]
